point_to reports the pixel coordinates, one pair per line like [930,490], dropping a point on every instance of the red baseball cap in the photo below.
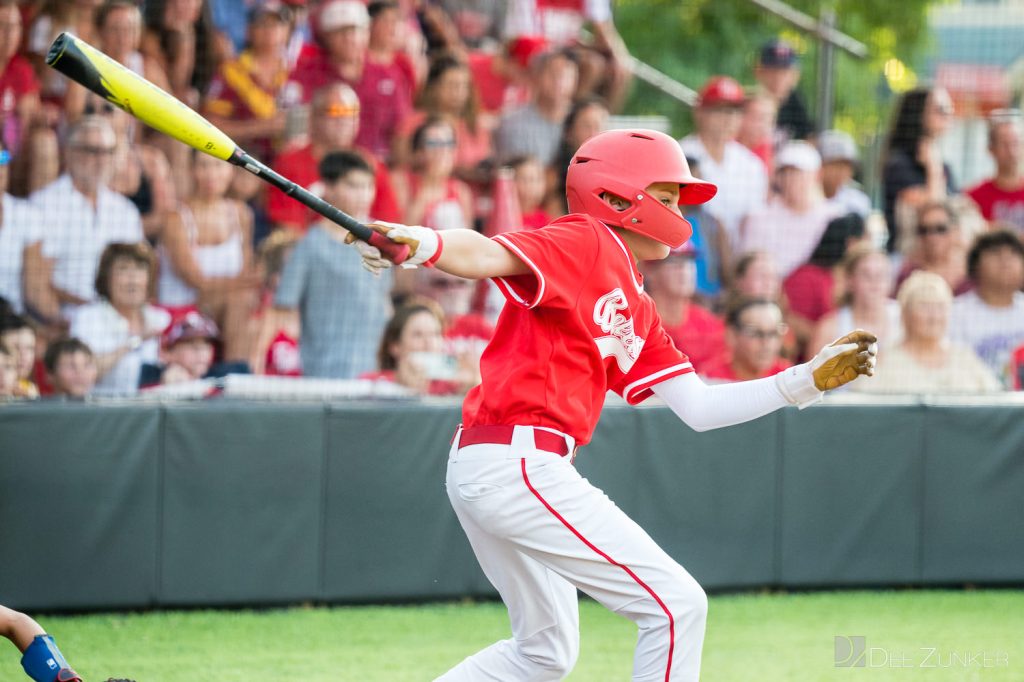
[722,91]
[191,325]
[523,49]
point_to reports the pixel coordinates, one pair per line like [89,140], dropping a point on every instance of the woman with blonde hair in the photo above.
[865,275]
[926,361]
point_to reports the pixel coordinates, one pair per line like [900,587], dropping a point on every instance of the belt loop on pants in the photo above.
[520,437]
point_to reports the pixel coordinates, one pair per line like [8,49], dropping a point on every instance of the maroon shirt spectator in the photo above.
[1001,198]
[696,331]
[809,288]
[334,121]
[245,99]
[384,90]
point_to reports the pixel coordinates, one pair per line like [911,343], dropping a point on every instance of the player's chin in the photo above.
[656,250]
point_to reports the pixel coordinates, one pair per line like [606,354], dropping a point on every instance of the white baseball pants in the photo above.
[540,531]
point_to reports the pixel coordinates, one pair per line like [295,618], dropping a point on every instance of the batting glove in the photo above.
[836,364]
[424,246]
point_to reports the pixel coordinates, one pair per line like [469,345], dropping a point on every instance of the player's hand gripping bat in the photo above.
[84,64]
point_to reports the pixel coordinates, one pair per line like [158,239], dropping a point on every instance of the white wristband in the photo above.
[796,385]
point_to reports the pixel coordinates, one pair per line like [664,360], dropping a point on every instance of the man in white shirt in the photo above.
[82,214]
[791,224]
[990,318]
[740,175]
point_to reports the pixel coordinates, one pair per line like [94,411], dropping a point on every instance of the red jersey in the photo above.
[578,326]
[300,166]
[16,80]
[999,205]
[808,290]
[283,356]
[701,335]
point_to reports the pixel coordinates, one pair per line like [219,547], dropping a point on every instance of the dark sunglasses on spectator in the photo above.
[438,144]
[5,157]
[94,150]
[105,109]
[939,228]
[764,334]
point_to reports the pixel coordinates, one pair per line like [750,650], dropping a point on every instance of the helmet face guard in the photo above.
[625,163]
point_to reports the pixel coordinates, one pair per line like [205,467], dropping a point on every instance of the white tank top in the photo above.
[213,260]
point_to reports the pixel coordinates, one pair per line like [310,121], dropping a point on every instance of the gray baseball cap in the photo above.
[835,145]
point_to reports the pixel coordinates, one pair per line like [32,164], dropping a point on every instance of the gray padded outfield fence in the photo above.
[222,503]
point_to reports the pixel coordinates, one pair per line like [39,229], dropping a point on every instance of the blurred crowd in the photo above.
[129,262]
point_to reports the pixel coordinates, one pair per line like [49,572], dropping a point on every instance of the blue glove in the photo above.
[43,662]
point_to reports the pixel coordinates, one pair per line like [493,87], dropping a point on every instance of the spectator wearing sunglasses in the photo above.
[754,331]
[431,195]
[141,172]
[85,215]
[334,123]
[938,247]
[1001,198]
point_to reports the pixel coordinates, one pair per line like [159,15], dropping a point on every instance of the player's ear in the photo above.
[616,202]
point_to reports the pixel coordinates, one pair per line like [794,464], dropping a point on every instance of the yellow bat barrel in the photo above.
[84,64]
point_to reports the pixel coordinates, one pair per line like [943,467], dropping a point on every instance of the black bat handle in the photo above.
[395,252]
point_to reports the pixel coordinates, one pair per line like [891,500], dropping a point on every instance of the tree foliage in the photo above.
[691,40]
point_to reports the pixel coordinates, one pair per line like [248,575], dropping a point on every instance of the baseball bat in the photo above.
[84,64]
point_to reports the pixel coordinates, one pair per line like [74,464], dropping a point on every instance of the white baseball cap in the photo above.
[343,13]
[835,145]
[800,155]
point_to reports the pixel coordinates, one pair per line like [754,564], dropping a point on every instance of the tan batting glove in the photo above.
[424,245]
[836,364]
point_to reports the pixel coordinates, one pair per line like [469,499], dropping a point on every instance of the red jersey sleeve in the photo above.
[659,361]
[560,257]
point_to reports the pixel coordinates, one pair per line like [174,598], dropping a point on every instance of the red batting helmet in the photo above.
[625,163]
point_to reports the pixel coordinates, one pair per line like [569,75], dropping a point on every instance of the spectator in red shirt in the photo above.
[25,135]
[428,191]
[754,336]
[938,247]
[393,39]
[809,288]
[1001,198]
[334,123]
[1017,368]
[757,128]
[245,97]
[466,334]
[695,330]
[531,188]
[501,78]
[384,90]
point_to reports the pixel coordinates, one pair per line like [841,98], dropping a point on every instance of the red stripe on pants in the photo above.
[613,562]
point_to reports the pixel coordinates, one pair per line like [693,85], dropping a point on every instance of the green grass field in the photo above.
[762,637]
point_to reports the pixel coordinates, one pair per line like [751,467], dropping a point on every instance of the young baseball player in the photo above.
[577,323]
[40,656]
